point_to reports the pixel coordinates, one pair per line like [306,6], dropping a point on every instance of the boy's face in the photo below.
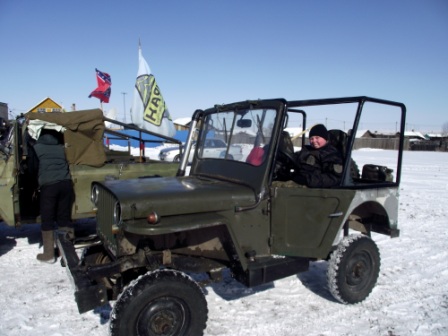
[317,142]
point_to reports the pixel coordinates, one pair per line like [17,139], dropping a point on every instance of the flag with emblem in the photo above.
[102,92]
[149,110]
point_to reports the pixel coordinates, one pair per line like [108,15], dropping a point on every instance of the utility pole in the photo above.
[124,106]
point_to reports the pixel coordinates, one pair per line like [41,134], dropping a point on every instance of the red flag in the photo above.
[102,92]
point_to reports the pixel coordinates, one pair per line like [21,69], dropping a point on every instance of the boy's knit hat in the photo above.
[319,130]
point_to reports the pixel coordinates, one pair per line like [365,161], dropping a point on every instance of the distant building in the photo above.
[364,134]
[434,136]
[47,105]
[415,136]
[182,124]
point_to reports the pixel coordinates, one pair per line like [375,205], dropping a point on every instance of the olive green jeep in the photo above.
[86,140]
[243,214]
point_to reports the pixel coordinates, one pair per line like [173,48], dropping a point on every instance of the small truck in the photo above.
[157,236]
[85,137]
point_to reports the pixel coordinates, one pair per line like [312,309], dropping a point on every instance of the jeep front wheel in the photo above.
[160,303]
[353,269]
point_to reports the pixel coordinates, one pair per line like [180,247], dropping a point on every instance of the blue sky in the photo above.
[211,52]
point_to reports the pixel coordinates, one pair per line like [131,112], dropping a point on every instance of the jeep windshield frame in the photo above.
[228,122]
[255,123]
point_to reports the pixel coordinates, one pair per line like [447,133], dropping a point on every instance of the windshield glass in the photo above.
[241,135]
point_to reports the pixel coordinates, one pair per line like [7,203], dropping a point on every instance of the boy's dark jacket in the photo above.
[318,168]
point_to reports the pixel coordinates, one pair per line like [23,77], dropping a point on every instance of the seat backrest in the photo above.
[339,140]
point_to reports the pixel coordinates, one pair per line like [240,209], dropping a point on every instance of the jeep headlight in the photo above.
[94,195]
[117,213]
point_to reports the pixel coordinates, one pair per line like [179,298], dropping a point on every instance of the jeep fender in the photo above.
[374,210]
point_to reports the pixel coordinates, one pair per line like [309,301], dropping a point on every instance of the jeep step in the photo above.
[273,268]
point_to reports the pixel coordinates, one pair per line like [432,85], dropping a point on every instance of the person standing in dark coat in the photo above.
[56,190]
[319,165]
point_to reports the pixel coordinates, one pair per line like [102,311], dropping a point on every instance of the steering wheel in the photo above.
[284,165]
[286,157]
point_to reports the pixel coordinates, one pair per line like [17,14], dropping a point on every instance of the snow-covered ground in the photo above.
[410,298]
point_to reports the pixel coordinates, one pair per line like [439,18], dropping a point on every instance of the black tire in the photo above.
[353,269]
[176,158]
[160,303]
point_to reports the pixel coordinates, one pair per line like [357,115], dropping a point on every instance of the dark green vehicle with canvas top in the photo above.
[248,216]
[85,147]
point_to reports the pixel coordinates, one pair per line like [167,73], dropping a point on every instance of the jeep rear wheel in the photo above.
[160,303]
[353,269]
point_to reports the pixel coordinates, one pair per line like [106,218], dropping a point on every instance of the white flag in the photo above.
[149,110]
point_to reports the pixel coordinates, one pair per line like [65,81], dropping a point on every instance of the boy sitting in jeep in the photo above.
[319,165]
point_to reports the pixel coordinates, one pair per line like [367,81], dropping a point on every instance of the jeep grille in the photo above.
[105,213]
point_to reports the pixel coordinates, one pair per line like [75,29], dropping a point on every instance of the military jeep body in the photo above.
[90,159]
[243,214]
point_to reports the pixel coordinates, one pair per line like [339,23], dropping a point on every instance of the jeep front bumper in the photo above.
[88,294]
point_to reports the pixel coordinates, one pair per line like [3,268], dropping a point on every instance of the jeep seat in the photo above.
[340,140]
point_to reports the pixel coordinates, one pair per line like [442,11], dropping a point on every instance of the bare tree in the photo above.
[445,129]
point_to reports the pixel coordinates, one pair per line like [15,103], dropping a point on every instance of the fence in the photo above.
[392,143]
[440,146]
[386,143]
[381,143]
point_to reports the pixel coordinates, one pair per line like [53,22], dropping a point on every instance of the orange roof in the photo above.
[47,105]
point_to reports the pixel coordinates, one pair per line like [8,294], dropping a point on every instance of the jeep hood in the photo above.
[169,196]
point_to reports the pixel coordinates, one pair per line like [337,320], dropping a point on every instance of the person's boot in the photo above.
[48,242]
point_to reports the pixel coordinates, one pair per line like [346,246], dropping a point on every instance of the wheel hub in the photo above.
[163,317]
[358,270]
[162,323]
